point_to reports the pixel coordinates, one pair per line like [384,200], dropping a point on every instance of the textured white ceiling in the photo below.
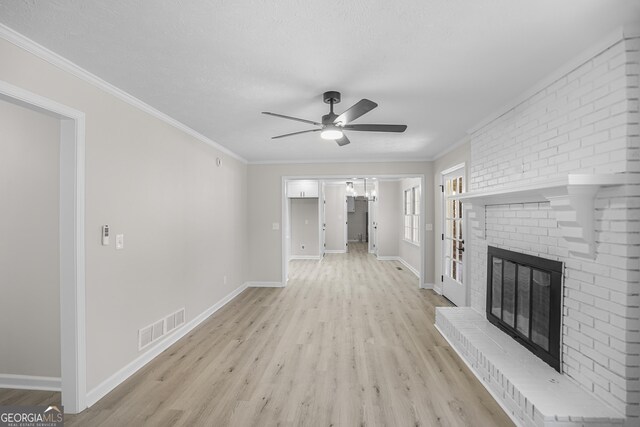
[438,66]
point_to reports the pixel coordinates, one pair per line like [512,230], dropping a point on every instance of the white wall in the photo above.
[461,154]
[29,243]
[265,207]
[334,216]
[304,227]
[389,207]
[184,218]
[585,121]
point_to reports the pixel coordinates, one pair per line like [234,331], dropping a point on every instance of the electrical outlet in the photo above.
[224,280]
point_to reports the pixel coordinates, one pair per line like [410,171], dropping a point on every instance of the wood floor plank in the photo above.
[349,342]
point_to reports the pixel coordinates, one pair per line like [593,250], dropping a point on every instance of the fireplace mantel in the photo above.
[571,197]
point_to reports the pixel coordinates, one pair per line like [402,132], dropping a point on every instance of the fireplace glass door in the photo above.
[523,299]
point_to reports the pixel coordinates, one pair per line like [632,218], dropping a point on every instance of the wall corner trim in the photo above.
[120,376]
[264,285]
[64,64]
[30,382]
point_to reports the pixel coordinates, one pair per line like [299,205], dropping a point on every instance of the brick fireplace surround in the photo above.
[582,125]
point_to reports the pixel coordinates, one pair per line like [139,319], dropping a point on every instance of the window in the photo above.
[412,214]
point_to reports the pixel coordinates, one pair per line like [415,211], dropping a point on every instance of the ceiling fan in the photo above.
[333,126]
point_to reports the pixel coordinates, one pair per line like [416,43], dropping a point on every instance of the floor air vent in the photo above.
[160,328]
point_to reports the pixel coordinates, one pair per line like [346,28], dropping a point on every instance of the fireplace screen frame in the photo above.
[552,356]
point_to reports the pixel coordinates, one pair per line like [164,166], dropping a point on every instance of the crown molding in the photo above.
[313,162]
[64,64]
[616,36]
[464,140]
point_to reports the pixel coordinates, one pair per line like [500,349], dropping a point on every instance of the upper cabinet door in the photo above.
[302,188]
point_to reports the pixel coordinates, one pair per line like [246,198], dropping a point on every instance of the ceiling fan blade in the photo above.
[292,118]
[377,128]
[358,109]
[296,133]
[343,141]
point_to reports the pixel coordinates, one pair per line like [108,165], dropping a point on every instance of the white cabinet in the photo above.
[302,188]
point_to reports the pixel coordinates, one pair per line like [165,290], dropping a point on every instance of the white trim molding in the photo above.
[428,286]
[264,285]
[72,250]
[64,64]
[437,287]
[335,251]
[401,261]
[30,382]
[307,257]
[119,377]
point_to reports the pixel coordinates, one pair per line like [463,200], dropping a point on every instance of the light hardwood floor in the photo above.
[349,342]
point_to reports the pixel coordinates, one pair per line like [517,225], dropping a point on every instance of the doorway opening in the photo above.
[71,241]
[357,221]
[367,214]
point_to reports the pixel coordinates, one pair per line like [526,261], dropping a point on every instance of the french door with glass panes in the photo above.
[453,259]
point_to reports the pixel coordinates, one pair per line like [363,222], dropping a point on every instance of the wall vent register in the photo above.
[524,297]
[155,331]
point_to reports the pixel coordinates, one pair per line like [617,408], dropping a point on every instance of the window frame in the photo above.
[411,209]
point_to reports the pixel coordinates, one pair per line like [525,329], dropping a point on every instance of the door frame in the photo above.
[72,240]
[322,221]
[285,216]
[443,223]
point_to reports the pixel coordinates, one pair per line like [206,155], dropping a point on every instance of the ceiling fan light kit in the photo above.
[331,133]
[333,126]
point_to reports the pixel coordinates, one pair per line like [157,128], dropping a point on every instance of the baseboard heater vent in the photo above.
[155,331]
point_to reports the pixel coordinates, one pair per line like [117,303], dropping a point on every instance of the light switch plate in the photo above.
[119,241]
[429,227]
[275,226]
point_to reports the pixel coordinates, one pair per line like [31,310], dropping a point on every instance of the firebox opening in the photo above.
[524,299]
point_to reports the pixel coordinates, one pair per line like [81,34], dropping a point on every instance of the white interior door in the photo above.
[453,259]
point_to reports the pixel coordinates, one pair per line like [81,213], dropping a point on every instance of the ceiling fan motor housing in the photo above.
[328,119]
[331,96]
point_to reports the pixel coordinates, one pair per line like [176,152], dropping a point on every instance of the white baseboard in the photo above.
[438,288]
[264,285]
[312,257]
[335,251]
[30,382]
[402,261]
[428,286]
[409,267]
[120,376]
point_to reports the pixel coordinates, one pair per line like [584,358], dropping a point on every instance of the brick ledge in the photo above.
[532,392]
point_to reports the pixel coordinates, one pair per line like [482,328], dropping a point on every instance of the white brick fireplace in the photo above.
[557,176]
